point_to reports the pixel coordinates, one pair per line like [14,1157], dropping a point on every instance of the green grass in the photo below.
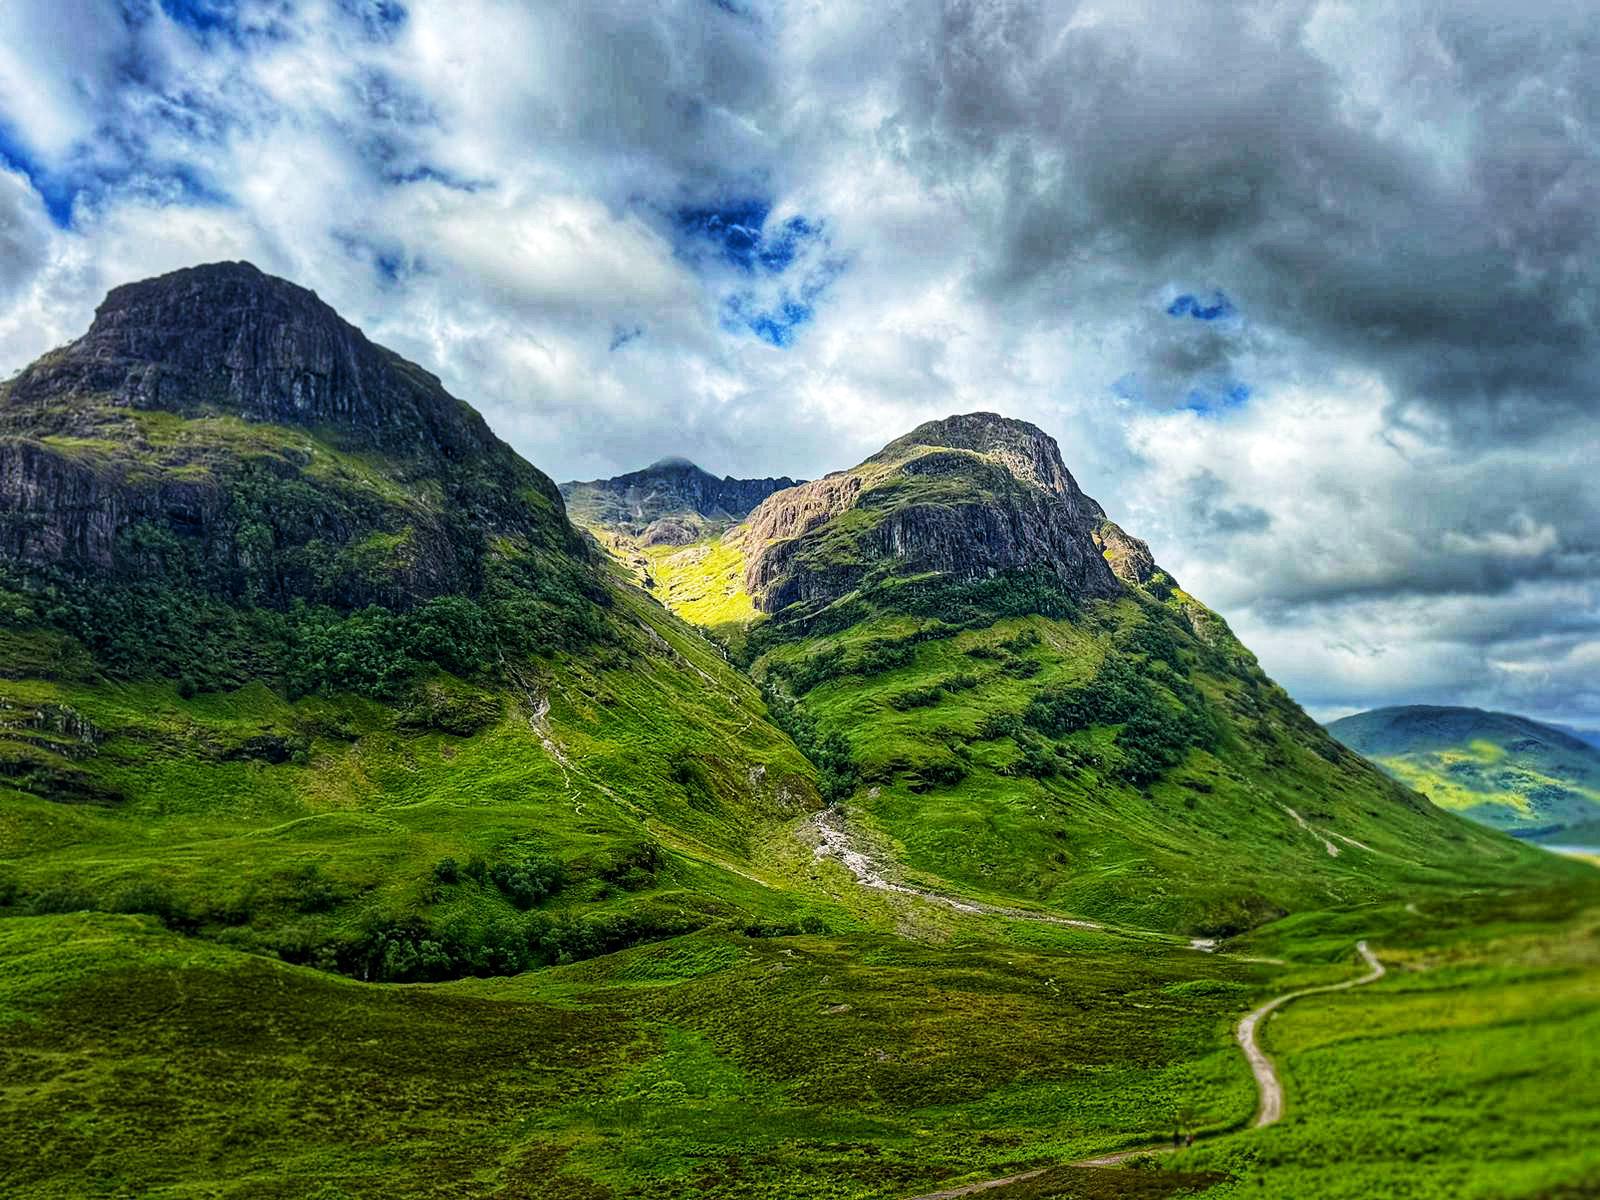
[999,811]
[309,828]
[716,1065]
[869,1065]
[1502,770]
[1470,1071]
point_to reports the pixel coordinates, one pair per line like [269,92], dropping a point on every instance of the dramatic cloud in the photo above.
[1306,290]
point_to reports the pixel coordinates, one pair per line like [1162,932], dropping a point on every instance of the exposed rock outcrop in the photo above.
[227,338]
[969,497]
[232,427]
[1129,557]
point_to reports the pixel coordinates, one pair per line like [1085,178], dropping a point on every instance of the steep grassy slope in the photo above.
[998,714]
[1503,770]
[301,659]
[590,802]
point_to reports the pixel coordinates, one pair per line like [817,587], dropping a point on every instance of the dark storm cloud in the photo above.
[1215,140]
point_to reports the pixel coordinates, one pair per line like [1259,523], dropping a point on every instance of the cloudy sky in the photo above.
[1306,291]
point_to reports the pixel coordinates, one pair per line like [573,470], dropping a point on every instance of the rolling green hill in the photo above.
[1503,770]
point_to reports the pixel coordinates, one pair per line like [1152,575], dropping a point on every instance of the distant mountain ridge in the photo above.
[1503,770]
[670,502]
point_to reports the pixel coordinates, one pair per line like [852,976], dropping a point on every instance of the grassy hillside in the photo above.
[1499,769]
[1114,755]
[342,861]
[463,827]
[1112,764]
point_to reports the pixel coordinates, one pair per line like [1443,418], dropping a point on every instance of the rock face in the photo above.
[226,337]
[233,421]
[1129,557]
[668,502]
[969,497]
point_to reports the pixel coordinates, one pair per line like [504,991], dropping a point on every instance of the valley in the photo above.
[368,827]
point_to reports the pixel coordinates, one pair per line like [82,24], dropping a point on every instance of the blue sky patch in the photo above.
[784,264]
[733,229]
[426,173]
[1189,305]
[56,193]
[203,16]
[775,325]
[1208,402]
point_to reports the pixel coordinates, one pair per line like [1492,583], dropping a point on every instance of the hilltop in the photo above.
[1500,769]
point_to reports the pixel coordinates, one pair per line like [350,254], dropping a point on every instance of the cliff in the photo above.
[967,497]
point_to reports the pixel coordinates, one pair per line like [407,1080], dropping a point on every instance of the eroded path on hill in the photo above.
[1269,1107]
[836,844]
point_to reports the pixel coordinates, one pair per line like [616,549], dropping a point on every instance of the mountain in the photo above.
[1503,770]
[671,502]
[366,831]
[1591,736]
[220,441]
[296,655]
[964,497]
[1007,696]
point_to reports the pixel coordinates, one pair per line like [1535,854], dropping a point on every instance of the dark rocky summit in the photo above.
[967,497]
[667,503]
[227,338]
[229,429]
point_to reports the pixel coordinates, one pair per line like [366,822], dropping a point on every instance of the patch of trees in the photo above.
[956,604]
[1155,733]
[837,771]
[155,629]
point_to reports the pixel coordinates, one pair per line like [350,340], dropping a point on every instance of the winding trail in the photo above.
[1270,1110]
[835,843]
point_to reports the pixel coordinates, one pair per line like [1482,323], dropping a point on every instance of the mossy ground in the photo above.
[715,1011]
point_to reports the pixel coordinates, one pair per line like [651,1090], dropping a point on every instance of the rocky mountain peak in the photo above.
[1026,451]
[968,496]
[226,337]
[670,501]
[112,442]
